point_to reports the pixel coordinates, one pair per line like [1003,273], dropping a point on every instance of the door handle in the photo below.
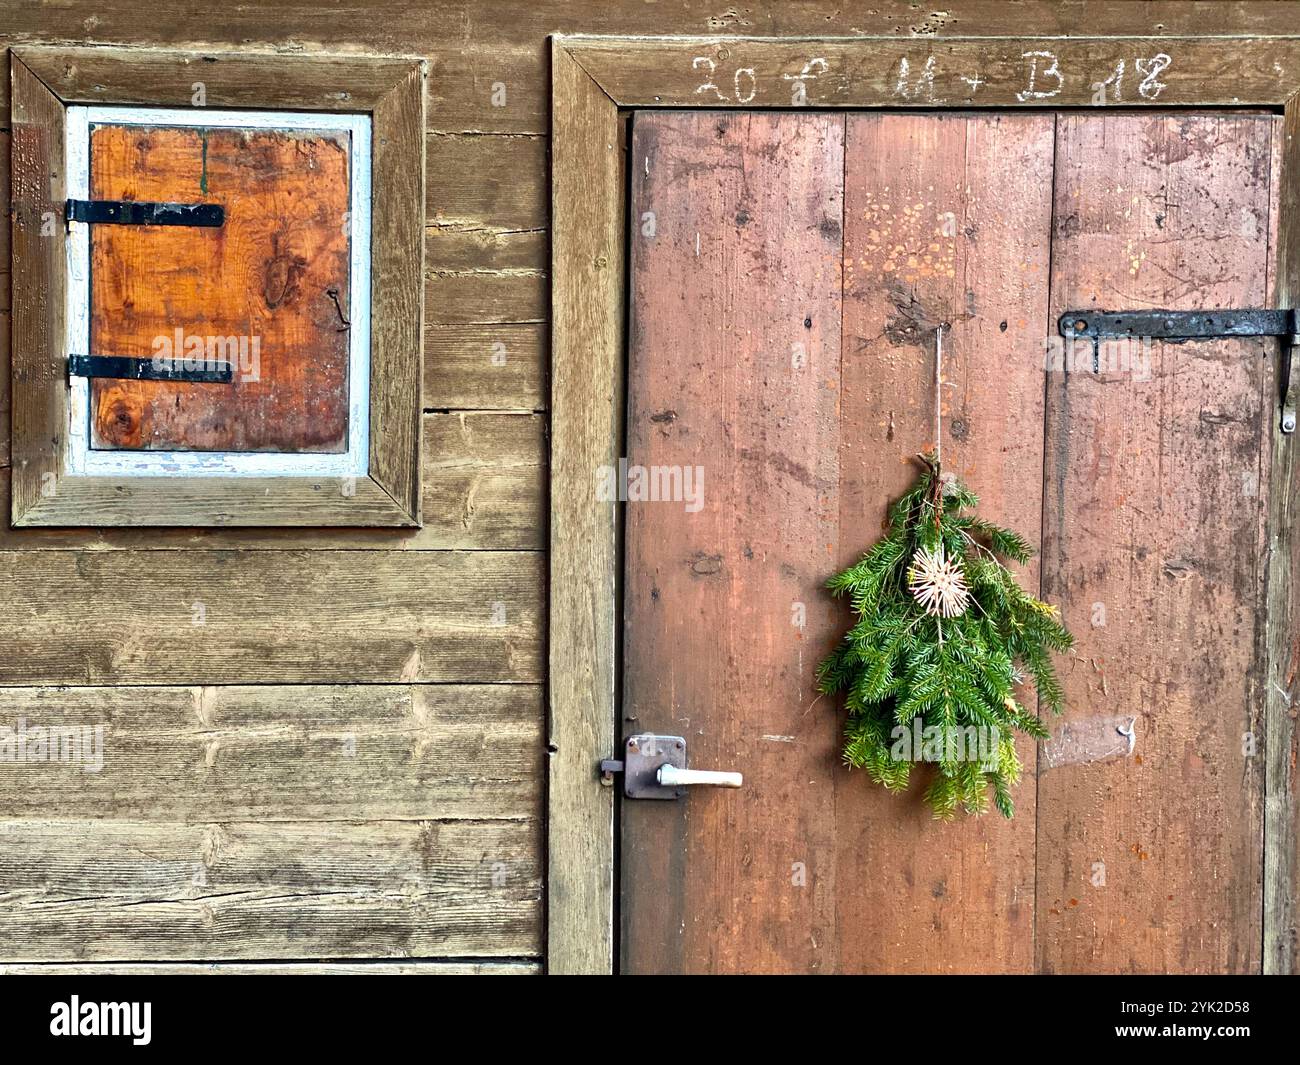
[669,776]
[654,767]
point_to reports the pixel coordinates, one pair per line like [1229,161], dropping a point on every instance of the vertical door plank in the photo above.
[734,367]
[947,219]
[1154,547]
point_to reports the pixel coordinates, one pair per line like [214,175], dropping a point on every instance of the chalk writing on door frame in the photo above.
[1043,77]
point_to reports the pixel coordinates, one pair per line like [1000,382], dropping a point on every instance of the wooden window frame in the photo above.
[45,81]
[595,82]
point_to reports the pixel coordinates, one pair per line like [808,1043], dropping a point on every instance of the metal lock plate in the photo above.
[654,767]
[642,756]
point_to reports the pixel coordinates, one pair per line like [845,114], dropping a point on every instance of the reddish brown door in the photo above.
[788,274]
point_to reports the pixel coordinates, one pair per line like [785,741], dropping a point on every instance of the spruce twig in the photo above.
[902,669]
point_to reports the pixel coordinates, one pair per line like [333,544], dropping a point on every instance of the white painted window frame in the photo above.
[82,459]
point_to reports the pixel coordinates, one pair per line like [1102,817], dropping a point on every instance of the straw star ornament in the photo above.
[938,584]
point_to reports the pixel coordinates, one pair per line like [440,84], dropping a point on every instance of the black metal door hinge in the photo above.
[131,213]
[1178,326]
[126,368]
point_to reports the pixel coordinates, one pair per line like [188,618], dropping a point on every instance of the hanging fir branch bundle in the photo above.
[944,633]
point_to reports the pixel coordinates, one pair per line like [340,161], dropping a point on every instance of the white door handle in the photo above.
[670,777]
[649,771]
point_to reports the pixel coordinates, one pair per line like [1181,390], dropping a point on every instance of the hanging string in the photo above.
[937,490]
[938,393]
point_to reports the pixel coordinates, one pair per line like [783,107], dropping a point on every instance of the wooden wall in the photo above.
[230,822]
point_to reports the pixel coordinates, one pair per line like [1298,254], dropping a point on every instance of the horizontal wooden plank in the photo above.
[484,477]
[484,488]
[500,366]
[266,752]
[488,83]
[188,500]
[75,890]
[213,617]
[488,58]
[281,968]
[486,182]
[481,276]
[496,296]
[485,251]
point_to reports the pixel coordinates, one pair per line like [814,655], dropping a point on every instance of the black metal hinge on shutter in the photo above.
[1180,326]
[132,213]
[128,368]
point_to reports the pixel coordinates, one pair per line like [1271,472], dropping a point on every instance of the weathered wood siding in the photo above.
[318,743]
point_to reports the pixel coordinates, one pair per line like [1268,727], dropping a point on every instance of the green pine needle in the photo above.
[908,676]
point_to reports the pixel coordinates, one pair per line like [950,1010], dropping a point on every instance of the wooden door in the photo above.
[788,272]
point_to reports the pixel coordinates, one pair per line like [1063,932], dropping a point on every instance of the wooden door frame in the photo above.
[596,80]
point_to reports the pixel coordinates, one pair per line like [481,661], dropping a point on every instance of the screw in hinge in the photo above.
[1289,348]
